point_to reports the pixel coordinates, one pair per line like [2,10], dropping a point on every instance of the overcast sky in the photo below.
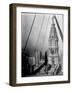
[40,31]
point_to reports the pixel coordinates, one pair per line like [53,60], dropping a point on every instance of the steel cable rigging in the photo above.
[29,33]
[59,27]
[39,32]
[45,32]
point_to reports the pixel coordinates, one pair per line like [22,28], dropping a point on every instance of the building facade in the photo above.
[53,49]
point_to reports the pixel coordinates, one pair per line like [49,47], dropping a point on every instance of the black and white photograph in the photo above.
[41,44]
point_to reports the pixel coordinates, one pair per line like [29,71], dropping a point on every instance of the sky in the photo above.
[40,32]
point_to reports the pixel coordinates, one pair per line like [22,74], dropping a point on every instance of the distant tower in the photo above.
[53,53]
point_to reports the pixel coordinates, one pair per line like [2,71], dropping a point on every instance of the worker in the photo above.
[46,61]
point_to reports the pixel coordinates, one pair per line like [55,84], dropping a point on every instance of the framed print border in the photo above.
[13,43]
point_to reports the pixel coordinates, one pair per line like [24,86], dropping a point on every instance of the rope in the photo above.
[40,30]
[59,28]
[30,32]
[45,32]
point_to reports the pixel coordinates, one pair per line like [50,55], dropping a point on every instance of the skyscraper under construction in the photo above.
[53,49]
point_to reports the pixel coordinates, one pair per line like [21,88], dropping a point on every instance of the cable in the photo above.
[45,32]
[40,30]
[29,32]
[59,28]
